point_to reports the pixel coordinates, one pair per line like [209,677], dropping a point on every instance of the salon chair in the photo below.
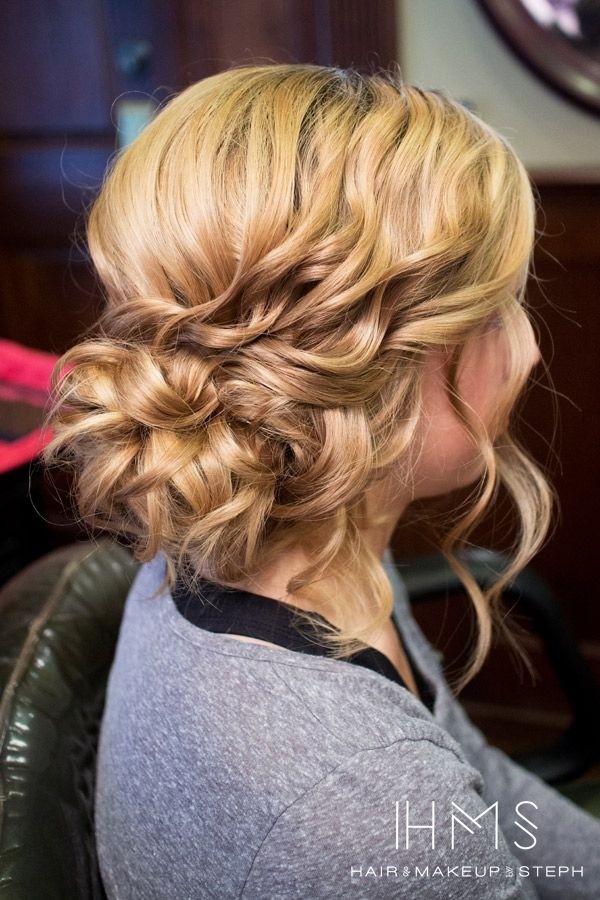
[59,623]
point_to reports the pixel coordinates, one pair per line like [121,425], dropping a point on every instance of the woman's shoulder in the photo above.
[297,698]
[268,764]
[404,820]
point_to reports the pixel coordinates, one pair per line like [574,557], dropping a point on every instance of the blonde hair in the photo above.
[281,248]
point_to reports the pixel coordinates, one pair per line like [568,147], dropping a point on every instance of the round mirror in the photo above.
[558,39]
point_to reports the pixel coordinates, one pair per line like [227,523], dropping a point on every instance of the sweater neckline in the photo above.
[222,609]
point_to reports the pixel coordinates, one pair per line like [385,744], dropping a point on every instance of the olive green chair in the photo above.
[59,622]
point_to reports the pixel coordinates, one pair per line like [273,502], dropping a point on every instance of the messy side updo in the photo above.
[281,248]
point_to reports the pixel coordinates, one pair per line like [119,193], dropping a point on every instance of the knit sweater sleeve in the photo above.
[560,854]
[564,835]
[404,820]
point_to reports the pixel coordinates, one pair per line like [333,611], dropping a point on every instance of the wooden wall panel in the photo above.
[566,307]
[568,264]
[53,68]
[49,299]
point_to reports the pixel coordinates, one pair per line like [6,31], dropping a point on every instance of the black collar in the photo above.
[221,609]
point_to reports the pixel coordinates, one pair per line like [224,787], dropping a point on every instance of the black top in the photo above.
[215,607]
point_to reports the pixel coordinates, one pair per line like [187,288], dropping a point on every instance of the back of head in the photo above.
[281,248]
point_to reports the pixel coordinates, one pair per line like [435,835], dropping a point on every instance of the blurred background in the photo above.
[81,77]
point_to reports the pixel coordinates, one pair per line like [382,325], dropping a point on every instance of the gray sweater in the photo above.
[235,770]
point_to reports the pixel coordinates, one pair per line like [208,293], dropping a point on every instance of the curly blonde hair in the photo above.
[280,249]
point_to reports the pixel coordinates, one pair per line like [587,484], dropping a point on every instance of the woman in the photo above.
[314,315]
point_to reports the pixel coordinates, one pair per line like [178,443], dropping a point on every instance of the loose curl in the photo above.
[281,248]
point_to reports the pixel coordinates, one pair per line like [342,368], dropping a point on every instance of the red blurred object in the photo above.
[24,393]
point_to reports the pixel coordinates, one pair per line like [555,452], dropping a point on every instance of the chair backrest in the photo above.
[59,624]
